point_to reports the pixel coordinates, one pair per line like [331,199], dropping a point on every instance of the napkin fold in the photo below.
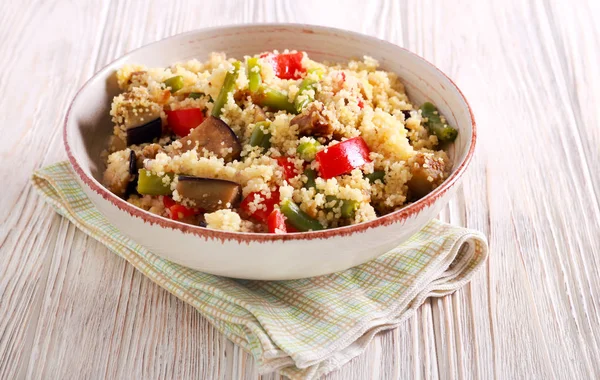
[308,327]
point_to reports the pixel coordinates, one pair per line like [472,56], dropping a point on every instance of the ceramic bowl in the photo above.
[265,256]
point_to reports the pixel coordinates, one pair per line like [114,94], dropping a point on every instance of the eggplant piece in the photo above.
[145,132]
[132,163]
[311,122]
[133,174]
[209,194]
[215,136]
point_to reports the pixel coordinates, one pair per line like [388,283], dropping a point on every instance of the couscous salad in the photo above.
[273,143]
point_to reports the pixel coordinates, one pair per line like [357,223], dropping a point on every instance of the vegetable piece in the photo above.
[182,121]
[274,100]
[342,158]
[262,213]
[311,175]
[195,95]
[152,184]
[428,172]
[176,83]
[215,136]
[132,185]
[377,175]
[361,104]
[347,206]
[304,96]
[289,169]
[298,218]
[276,223]
[287,65]
[435,125]
[145,132]
[254,78]
[132,163]
[209,194]
[228,86]
[312,122]
[178,211]
[259,137]
[307,150]
[168,202]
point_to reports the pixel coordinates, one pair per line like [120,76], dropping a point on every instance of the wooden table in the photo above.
[71,309]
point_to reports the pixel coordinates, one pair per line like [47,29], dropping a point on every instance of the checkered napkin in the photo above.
[308,327]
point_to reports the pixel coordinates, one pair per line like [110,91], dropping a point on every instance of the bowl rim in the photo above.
[247,237]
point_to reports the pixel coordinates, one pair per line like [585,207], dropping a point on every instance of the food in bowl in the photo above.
[275,143]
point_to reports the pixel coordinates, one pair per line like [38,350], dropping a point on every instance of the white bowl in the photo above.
[265,256]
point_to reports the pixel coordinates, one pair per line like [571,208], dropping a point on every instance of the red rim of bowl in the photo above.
[247,237]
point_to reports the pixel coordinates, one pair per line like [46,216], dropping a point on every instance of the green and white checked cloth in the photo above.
[308,327]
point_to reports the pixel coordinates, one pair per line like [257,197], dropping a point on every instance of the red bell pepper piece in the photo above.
[177,211]
[168,202]
[289,169]
[287,65]
[276,223]
[361,104]
[261,214]
[342,158]
[184,120]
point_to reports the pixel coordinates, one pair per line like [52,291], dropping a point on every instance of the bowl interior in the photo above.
[88,124]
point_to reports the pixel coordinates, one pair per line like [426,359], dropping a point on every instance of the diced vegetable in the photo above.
[144,133]
[298,218]
[377,175]
[254,78]
[347,206]
[274,100]
[152,184]
[228,86]
[132,185]
[307,150]
[342,158]
[195,95]
[276,223]
[312,122]
[427,174]
[182,121]
[311,175]
[287,65]
[304,97]
[132,163]
[215,136]
[176,83]
[260,214]
[434,124]
[361,104]
[209,194]
[177,211]
[259,137]
[289,169]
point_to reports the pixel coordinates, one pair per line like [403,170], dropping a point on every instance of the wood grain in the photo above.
[71,309]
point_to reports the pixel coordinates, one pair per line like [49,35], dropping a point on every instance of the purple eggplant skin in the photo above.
[132,163]
[215,136]
[209,194]
[145,133]
[133,175]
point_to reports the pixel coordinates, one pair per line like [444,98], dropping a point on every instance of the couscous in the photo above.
[273,143]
